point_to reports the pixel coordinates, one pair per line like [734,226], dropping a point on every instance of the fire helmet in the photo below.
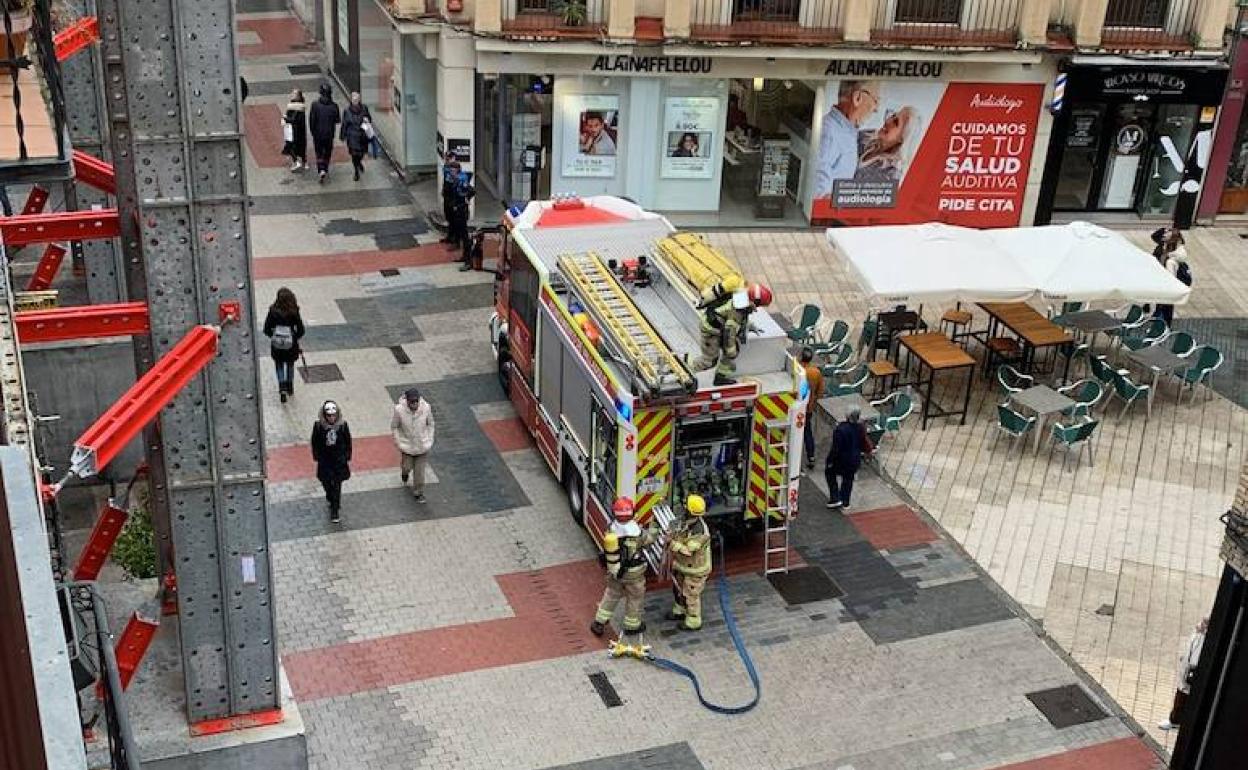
[760,295]
[623,510]
[695,505]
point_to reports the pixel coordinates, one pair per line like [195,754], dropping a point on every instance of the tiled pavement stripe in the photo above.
[277,36]
[378,738]
[262,130]
[309,516]
[1122,754]
[347,263]
[892,528]
[344,200]
[260,6]
[673,756]
[385,320]
[1230,336]
[262,88]
[507,434]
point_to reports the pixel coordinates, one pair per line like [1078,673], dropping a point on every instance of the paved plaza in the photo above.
[454,634]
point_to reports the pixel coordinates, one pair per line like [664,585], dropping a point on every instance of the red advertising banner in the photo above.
[904,152]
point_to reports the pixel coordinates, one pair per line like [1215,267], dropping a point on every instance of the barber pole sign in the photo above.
[1059,93]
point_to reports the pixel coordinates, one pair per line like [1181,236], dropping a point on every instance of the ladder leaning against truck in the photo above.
[596,320]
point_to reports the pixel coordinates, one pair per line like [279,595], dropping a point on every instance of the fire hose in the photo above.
[642,652]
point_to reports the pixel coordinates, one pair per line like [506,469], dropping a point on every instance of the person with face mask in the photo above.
[331,450]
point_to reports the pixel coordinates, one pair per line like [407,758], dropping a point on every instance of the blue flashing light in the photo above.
[804,391]
[515,211]
[625,410]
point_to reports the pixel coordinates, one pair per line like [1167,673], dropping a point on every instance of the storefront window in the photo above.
[1082,145]
[1235,193]
[1176,125]
[1132,131]
[515,113]
[377,75]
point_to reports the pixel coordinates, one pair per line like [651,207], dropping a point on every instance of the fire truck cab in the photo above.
[595,329]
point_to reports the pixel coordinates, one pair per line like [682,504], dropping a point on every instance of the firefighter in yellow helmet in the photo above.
[725,320]
[691,564]
[626,570]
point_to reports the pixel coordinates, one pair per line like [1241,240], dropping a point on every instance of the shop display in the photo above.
[689,124]
[591,134]
[773,177]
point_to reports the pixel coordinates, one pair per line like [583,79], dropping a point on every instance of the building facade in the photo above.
[977,112]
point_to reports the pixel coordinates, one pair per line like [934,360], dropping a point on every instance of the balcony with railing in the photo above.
[987,23]
[555,18]
[33,142]
[1150,24]
[767,21]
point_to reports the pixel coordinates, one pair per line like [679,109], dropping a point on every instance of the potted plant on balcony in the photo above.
[20,19]
[572,12]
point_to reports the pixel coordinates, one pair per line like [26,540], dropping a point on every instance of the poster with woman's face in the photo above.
[591,134]
[689,124]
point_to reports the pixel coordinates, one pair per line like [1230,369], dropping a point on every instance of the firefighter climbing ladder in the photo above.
[607,301]
[776,517]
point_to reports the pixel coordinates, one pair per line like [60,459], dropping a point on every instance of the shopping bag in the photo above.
[368,129]
[374,148]
[288,132]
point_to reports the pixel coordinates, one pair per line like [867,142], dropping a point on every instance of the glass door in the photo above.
[1081,158]
[1176,126]
[1131,130]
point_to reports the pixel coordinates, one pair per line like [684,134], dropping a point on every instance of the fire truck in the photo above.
[596,324]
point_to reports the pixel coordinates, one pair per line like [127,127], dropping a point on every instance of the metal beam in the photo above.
[45,271]
[76,37]
[83,322]
[26,229]
[95,172]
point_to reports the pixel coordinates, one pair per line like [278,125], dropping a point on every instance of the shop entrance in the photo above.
[766,145]
[1125,157]
[514,129]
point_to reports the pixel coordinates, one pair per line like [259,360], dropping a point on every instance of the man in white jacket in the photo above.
[412,428]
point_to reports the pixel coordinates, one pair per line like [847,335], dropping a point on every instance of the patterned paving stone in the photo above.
[320,373]
[347,263]
[380,738]
[263,205]
[674,756]
[385,320]
[892,528]
[1230,337]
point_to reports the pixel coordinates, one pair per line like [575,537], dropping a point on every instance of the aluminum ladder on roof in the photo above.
[654,363]
[776,514]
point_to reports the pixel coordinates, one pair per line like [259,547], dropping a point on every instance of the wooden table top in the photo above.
[936,350]
[1023,320]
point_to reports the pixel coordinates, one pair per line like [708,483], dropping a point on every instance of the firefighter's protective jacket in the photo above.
[691,548]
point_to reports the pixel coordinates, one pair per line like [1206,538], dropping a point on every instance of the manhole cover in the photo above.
[1066,706]
[317,373]
[805,585]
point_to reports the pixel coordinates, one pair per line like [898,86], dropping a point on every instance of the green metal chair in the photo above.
[853,382]
[1146,335]
[1077,436]
[1134,318]
[1207,361]
[1102,371]
[875,433]
[869,339]
[1012,424]
[894,409]
[828,336]
[1067,309]
[1075,351]
[1085,393]
[1010,381]
[1181,343]
[838,361]
[809,316]
[1130,392]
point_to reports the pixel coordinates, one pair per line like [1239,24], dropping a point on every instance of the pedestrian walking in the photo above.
[623,547]
[331,450]
[844,458]
[284,328]
[814,379]
[1189,659]
[1172,254]
[357,132]
[295,131]
[323,120]
[449,167]
[411,424]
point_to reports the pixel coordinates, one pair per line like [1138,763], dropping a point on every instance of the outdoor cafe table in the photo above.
[837,407]
[1043,401]
[1033,329]
[1089,322]
[937,353]
[1159,358]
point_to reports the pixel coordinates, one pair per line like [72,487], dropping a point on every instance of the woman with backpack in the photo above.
[1171,252]
[284,328]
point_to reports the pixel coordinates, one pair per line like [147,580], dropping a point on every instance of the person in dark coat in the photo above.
[843,459]
[449,168]
[296,117]
[357,132]
[331,450]
[461,194]
[284,328]
[323,120]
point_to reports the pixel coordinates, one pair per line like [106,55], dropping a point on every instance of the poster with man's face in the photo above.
[591,135]
[897,152]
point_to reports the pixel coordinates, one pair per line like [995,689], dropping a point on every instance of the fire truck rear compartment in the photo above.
[710,460]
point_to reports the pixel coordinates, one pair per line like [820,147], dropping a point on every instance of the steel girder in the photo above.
[170,83]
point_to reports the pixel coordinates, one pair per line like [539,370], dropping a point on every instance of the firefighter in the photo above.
[626,570]
[691,564]
[725,322]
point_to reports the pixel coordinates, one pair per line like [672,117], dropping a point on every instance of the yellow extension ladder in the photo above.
[777,513]
[609,304]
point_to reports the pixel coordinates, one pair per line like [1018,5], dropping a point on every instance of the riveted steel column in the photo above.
[181,130]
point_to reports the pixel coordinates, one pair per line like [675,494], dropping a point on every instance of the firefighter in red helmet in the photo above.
[626,570]
[725,322]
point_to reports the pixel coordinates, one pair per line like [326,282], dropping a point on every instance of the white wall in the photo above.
[566,86]
[420,107]
[686,194]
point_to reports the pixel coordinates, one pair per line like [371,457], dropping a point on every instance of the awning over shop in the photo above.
[938,263]
[929,263]
[1083,262]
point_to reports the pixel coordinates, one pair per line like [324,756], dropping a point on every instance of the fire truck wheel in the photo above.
[576,491]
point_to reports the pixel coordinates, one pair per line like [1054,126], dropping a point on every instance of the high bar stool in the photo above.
[955,320]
